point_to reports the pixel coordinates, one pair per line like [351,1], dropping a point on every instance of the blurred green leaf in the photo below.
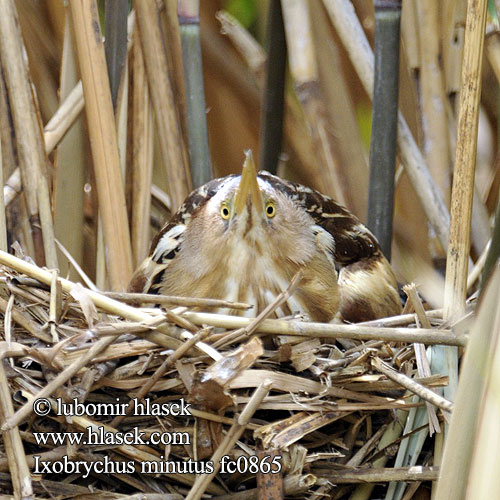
[244,10]
[493,15]
[364,115]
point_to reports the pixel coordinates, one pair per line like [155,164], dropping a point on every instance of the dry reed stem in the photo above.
[484,481]
[353,37]
[103,140]
[325,330]
[230,439]
[465,160]
[302,60]
[3,221]
[412,386]
[142,159]
[436,128]
[18,465]
[64,117]
[478,267]
[453,27]
[31,153]
[410,33]
[70,159]
[170,15]
[371,475]
[147,298]
[171,142]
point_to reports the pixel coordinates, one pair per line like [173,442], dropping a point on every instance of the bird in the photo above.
[244,237]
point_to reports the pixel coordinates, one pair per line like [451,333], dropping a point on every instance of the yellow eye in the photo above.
[224,211]
[270,209]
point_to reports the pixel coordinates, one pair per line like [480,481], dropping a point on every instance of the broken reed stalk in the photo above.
[102,131]
[115,45]
[435,124]
[351,33]
[233,434]
[199,154]
[269,485]
[172,145]
[474,377]
[384,122]
[271,122]
[304,71]
[18,465]
[32,159]
[463,177]
[412,386]
[142,159]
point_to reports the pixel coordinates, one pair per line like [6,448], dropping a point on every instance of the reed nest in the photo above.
[331,405]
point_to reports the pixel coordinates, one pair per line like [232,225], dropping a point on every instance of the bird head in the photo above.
[248,218]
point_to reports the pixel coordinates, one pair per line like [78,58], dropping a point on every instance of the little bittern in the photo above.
[243,238]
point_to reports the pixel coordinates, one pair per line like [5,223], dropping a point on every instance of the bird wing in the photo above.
[367,284]
[167,243]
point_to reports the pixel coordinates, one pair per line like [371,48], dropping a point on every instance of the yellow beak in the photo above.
[249,187]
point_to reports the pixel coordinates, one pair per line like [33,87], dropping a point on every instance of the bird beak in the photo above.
[249,187]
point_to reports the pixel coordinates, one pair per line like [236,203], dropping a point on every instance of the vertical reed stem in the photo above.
[384,122]
[102,131]
[465,160]
[199,154]
[116,42]
[271,123]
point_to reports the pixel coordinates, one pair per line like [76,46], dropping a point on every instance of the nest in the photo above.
[175,402]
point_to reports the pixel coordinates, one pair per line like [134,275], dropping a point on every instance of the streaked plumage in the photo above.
[246,247]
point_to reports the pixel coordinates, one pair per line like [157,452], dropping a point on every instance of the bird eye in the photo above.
[270,209]
[224,211]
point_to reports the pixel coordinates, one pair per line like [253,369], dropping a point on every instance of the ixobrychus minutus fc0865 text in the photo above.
[243,238]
